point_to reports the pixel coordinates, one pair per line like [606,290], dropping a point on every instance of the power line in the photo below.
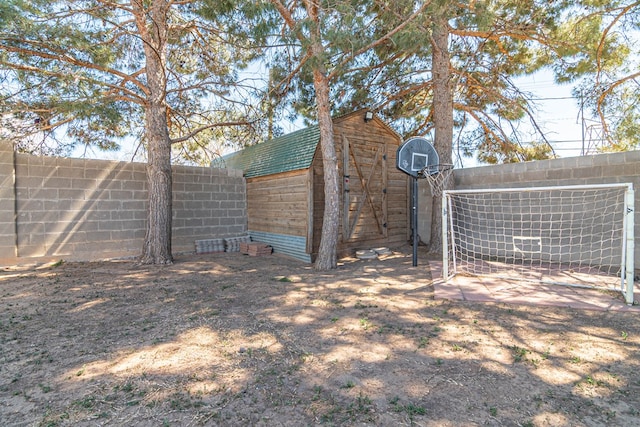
[562,141]
[552,99]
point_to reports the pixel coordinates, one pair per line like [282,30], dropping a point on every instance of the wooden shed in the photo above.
[285,188]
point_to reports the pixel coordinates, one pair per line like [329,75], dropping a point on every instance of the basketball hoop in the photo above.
[439,177]
[418,158]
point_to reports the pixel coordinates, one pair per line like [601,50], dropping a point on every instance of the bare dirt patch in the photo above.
[227,339]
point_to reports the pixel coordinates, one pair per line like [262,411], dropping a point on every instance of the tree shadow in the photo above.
[226,339]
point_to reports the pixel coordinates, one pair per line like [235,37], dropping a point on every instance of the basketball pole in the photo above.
[414,219]
[413,157]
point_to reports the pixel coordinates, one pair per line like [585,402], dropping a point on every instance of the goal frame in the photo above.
[628,240]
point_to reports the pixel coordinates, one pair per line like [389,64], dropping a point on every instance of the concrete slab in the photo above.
[481,289]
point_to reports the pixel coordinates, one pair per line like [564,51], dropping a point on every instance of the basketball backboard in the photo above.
[416,154]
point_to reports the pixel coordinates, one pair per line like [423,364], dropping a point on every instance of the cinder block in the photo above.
[236,213]
[99,216]
[582,173]
[85,183]
[556,174]
[228,188]
[212,222]
[192,187]
[66,235]
[142,195]
[227,221]
[237,229]
[120,215]
[27,206]
[140,216]
[40,170]
[110,184]
[64,251]
[120,195]
[227,204]
[134,186]
[107,205]
[214,188]
[96,235]
[134,205]
[193,222]
[7,204]
[139,176]
[70,171]
[25,182]
[235,173]
[630,156]
[120,235]
[111,225]
[7,251]
[7,232]
[88,225]
[30,251]
[71,194]
[625,170]
[211,205]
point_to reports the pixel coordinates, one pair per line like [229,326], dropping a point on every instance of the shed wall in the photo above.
[372,160]
[278,203]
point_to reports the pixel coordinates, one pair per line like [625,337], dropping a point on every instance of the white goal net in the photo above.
[573,235]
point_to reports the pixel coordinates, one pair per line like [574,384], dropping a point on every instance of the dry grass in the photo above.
[226,339]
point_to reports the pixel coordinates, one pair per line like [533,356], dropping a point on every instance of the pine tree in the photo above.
[100,70]
[606,69]
[330,37]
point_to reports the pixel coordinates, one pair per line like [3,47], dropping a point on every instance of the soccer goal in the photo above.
[567,235]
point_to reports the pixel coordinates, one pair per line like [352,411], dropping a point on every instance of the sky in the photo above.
[558,115]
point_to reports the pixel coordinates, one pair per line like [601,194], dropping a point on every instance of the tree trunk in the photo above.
[157,241]
[442,115]
[151,20]
[327,253]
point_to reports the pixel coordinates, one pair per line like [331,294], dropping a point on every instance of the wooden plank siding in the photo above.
[370,216]
[286,206]
[278,203]
[399,203]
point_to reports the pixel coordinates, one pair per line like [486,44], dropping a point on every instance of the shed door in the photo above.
[364,189]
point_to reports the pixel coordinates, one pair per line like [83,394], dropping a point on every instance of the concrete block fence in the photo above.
[78,209]
[598,169]
[584,170]
[7,202]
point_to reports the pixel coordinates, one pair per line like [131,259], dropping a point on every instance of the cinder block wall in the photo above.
[7,202]
[207,203]
[80,209]
[597,169]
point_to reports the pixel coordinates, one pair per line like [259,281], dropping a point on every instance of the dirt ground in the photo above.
[228,339]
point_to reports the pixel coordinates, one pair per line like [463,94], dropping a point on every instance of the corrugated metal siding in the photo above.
[293,246]
[289,152]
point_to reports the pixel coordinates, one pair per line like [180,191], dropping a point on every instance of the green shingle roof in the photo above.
[286,153]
